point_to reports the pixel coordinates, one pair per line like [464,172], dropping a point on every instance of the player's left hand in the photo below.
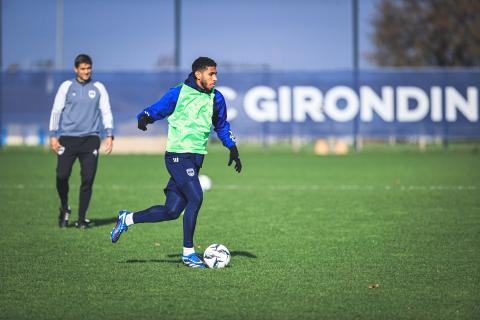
[234,156]
[108,144]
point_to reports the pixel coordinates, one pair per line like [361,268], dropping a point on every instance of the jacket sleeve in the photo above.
[105,108]
[164,107]
[220,123]
[58,106]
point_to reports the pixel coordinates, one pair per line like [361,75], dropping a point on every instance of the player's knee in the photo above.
[63,175]
[196,198]
[87,183]
[175,211]
[193,193]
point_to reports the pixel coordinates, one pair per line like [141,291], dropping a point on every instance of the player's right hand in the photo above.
[143,121]
[54,144]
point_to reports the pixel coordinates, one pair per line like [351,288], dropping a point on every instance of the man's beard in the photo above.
[204,85]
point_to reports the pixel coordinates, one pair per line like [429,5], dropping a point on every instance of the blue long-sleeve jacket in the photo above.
[166,105]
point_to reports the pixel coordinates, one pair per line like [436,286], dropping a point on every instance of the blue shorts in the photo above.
[182,167]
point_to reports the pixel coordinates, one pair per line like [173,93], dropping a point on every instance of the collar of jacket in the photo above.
[83,82]
[190,81]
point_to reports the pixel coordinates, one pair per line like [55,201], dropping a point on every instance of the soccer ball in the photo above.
[205,182]
[216,256]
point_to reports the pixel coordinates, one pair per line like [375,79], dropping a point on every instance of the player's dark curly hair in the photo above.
[202,63]
[82,58]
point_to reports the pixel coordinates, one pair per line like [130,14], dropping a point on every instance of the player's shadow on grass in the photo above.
[245,254]
[101,222]
[153,261]
[177,256]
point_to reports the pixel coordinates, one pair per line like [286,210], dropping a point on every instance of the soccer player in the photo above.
[191,109]
[75,127]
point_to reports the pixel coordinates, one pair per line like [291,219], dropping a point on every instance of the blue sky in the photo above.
[138,35]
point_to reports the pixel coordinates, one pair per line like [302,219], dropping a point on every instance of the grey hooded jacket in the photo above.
[77,110]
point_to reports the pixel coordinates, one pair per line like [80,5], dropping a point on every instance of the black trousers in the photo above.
[86,149]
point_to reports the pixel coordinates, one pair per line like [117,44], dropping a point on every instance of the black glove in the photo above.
[143,121]
[235,157]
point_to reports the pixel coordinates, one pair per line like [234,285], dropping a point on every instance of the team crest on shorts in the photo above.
[92,93]
[190,172]
[95,152]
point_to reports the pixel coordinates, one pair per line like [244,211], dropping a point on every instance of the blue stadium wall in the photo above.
[376,104]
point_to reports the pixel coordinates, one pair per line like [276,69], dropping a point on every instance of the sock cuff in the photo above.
[188,251]
[129,219]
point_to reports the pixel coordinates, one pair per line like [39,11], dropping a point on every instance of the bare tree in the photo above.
[427,33]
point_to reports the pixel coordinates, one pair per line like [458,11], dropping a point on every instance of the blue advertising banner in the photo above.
[376,104]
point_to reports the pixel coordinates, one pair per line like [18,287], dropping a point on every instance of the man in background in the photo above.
[80,107]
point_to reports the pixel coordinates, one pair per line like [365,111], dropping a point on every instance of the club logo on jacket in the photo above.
[190,172]
[92,93]
[95,152]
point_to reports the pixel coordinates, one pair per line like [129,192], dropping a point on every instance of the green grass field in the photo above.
[308,235]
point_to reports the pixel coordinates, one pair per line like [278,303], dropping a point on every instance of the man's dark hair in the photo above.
[82,58]
[202,63]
